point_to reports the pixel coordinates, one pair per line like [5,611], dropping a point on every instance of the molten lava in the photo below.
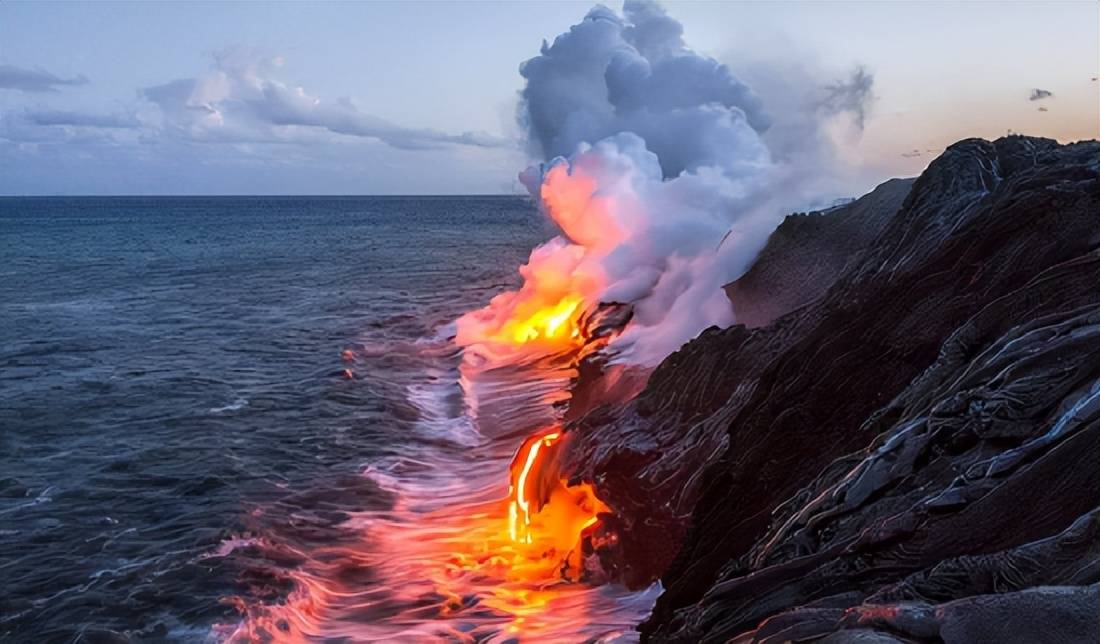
[554,323]
[563,279]
[541,537]
[547,517]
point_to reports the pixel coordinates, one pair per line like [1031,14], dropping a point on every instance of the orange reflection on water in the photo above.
[479,568]
[482,544]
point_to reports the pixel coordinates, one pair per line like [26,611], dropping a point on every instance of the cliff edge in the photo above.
[903,443]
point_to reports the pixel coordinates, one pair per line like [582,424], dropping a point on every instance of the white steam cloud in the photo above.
[664,171]
[612,74]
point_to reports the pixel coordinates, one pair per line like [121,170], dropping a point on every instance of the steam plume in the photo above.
[661,172]
[612,74]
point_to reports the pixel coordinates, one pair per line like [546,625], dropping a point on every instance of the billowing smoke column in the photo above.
[659,176]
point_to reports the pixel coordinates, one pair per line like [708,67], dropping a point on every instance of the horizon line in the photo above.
[260,196]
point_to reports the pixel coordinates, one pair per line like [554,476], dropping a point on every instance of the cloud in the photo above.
[237,127]
[1040,94]
[35,80]
[282,105]
[47,117]
[240,99]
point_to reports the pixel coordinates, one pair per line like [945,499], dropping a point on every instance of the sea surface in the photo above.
[243,419]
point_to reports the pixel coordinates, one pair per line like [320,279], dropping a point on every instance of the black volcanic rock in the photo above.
[808,251]
[912,455]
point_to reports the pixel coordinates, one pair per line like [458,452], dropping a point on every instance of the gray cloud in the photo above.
[281,105]
[240,99]
[47,117]
[1039,94]
[34,80]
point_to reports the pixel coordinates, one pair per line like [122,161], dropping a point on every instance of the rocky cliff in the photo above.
[903,444]
[808,252]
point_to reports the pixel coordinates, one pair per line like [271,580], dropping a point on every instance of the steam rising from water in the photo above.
[661,173]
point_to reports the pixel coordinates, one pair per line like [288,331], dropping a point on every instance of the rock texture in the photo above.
[808,252]
[911,453]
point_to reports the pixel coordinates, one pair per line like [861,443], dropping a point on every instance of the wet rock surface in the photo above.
[911,453]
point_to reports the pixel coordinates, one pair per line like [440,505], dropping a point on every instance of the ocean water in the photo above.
[242,419]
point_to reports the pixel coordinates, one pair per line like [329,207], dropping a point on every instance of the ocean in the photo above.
[242,419]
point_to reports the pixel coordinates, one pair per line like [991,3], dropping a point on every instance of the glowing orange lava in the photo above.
[556,323]
[564,278]
[539,540]
[547,515]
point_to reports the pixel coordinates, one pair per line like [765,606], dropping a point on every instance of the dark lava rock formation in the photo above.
[808,252]
[906,446]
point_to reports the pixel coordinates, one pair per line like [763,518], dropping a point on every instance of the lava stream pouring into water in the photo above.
[550,523]
[484,540]
[563,279]
[546,516]
[555,323]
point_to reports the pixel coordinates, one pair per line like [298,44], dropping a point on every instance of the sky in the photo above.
[421,97]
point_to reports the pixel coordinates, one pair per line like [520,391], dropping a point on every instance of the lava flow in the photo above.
[562,279]
[550,314]
[555,323]
[546,514]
